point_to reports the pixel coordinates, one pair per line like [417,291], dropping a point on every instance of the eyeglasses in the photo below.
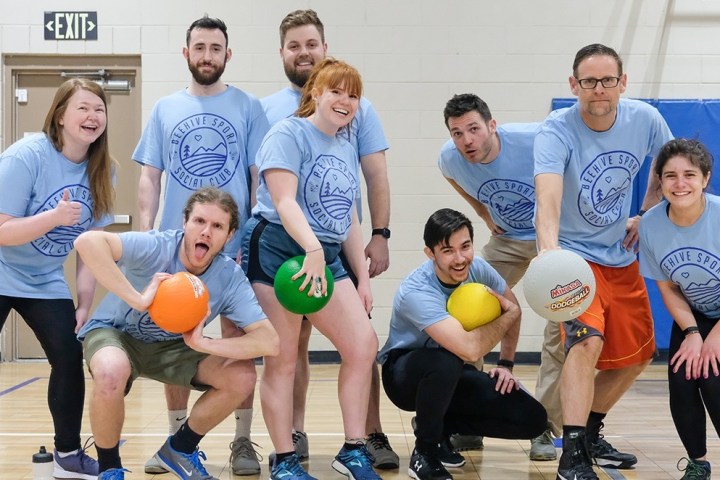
[590,83]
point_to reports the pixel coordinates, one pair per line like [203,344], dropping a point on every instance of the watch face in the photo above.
[385,232]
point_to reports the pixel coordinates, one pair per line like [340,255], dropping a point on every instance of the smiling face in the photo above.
[452,260]
[598,105]
[207,230]
[83,121]
[206,55]
[473,137]
[303,47]
[683,183]
[335,109]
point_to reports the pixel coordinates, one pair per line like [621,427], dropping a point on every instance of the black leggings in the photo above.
[53,322]
[450,396]
[690,398]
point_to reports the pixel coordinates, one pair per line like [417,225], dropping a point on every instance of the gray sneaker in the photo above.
[542,448]
[464,443]
[302,448]
[183,465]
[244,460]
[384,458]
[153,466]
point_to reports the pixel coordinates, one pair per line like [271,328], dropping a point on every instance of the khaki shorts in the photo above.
[171,362]
[620,313]
[509,257]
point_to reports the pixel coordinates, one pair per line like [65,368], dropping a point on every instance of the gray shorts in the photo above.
[171,362]
[266,245]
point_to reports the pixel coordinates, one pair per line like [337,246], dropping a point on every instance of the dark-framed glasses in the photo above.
[590,83]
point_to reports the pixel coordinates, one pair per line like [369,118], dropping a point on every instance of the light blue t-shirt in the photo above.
[146,253]
[687,256]
[201,141]
[327,171]
[34,176]
[506,185]
[421,301]
[598,170]
[366,132]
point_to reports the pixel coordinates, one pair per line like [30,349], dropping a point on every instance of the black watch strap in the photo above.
[385,232]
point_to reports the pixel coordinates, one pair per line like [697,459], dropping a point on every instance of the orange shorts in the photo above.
[620,313]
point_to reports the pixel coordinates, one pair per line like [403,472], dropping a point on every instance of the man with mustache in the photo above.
[302,44]
[204,135]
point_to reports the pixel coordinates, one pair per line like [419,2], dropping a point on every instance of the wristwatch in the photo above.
[385,232]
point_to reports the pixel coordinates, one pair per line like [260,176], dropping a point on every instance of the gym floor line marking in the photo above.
[613,473]
[19,385]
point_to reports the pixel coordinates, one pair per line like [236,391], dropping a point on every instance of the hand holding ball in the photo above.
[559,285]
[288,290]
[181,302]
[473,305]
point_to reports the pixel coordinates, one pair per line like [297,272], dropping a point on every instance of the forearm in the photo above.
[374,169]
[21,230]
[99,257]
[353,249]
[295,223]
[653,192]
[254,183]
[85,285]
[548,194]
[259,342]
[148,198]
[485,338]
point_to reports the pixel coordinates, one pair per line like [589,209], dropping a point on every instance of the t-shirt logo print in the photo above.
[59,241]
[697,273]
[204,151]
[330,189]
[511,200]
[605,183]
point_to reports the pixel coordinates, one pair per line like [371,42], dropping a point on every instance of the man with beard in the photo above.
[205,135]
[302,44]
[121,342]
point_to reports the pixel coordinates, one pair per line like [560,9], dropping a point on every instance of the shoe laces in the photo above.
[546,437]
[194,459]
[296,436]
[114,474]
[379,441]
[290,464]
[243,447]
[693,470]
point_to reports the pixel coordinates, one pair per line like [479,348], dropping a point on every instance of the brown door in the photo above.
[32,83]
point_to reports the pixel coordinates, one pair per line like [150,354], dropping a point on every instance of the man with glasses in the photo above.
[586,158]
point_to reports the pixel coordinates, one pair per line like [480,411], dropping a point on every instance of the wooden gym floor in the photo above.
[640,424]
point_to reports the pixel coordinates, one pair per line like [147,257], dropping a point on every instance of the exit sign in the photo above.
[71,26]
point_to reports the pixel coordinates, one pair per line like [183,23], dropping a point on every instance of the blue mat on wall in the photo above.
[696,119]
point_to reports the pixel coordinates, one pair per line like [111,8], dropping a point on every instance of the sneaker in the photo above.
[244,460]
[695,469]
[575,462]
[464,443]
[355,464]
[113,474]
[605,455]
[153,466]
[379,447]
[79,465]
[302,448]
[542,448]
[289,469]
[425,467]
[449,457]
[185,466]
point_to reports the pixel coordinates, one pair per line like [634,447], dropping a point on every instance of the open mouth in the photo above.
[90,128]
[201,249]
[341,111]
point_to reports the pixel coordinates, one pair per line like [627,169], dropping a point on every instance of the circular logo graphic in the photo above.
[511,201]
[59,241]
[330,190]
[604,185]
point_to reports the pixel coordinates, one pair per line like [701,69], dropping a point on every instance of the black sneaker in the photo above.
[695,469]
[425,467]
[605,455]
[575,462]
[448,456]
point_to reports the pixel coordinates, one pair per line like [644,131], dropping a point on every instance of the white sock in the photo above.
[243,422]
[175,419]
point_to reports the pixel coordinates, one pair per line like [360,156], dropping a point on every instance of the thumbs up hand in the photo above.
[67,213]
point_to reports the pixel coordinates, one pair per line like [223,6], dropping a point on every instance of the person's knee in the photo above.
[238,377]
[110,372]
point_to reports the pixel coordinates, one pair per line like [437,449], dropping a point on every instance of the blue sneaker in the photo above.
[289,469]
[186,467]
[113,474]
[79,465]
[355,464]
